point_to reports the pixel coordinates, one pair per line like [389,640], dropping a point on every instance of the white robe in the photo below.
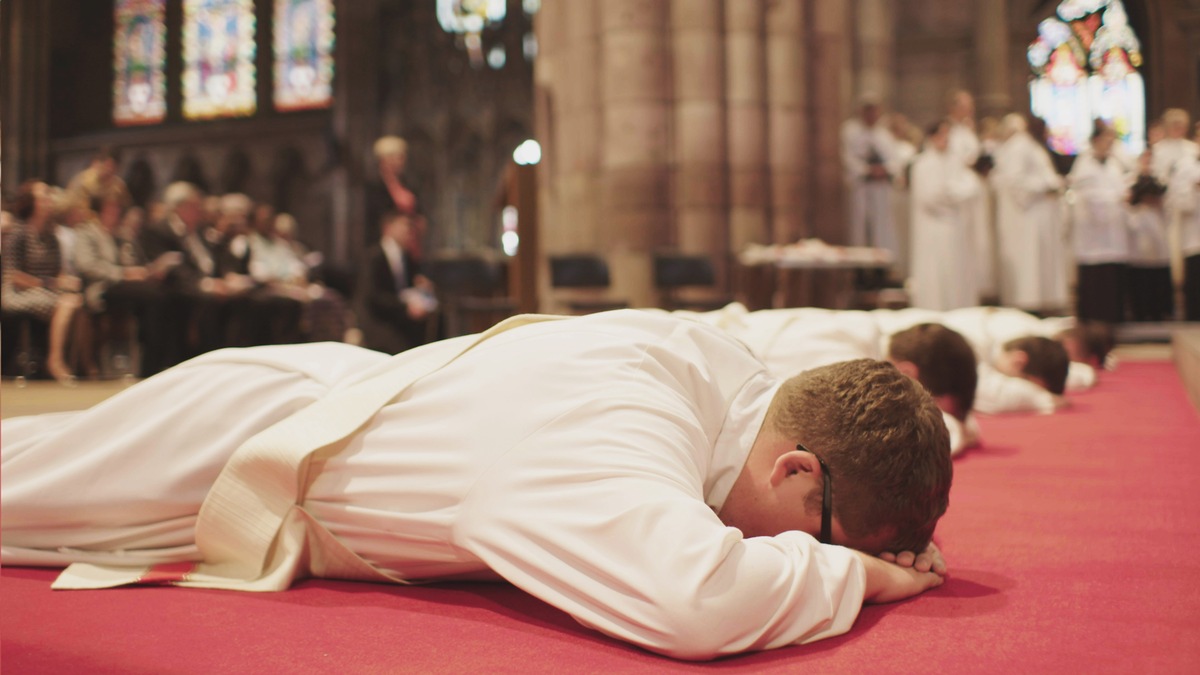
[587,469]
[906,152]
[790,341]
[966,146]
[1029,228]
[1098,213]
[870,201]
[1183,195]
[944,267]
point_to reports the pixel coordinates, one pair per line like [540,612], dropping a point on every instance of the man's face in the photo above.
[941,139]
[963,106]
[393,163]
[190,212]
[871,114]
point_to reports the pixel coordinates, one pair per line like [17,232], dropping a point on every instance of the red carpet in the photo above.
[1073,540]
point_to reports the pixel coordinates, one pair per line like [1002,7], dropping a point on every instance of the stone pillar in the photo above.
[746,124]
[831,79]
[355,120]
[787,122]
[24,90]
[874,49]
[567,117]
[700,160]
[637,115]
[991,55]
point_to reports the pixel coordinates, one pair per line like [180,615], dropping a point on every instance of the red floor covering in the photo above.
[1073,540]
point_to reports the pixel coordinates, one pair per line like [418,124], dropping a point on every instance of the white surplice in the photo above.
[944,199]
[1098,212]
[583,460]
[964,144]
[870,199]
[1029,227]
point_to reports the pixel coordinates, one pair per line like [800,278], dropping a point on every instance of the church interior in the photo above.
[578,156]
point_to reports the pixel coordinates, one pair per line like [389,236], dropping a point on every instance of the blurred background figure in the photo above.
[34,282]
[395,300]
[1029,227]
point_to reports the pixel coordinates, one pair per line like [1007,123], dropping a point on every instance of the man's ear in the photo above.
[791,463]
[1020,359]
[908,368]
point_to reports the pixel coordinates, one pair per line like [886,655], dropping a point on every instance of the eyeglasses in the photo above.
[826,499]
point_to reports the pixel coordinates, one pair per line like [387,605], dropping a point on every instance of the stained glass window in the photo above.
[218,58]
[139,55]
[1086,63]
[303,54]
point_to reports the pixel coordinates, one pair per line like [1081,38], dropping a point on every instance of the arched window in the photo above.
[303,54]
[139,58]
[1085,65]
[218,59]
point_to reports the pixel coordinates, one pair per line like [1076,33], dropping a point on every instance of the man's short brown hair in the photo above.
[884,441]
[945,362]
[1046,360]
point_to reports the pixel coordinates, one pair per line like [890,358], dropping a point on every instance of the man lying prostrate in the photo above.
[989,329]
[789,341]
[642,473]
[1018,372]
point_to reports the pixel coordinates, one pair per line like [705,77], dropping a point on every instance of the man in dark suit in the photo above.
[394,300]
[198,293]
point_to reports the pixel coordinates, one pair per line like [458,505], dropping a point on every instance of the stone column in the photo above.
[700,160]
[746,124]
[637,116]
[830,90]
[787,123]
[874,49]
[355,121]
[24,90]
[991,55]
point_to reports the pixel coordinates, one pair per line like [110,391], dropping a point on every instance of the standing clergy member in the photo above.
[1101,238]
[1184,197]
[944,195]
[640,472]
[966,146]
[1033,274]
[869,160]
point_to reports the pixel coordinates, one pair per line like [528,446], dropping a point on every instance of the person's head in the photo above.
[392,154]
[131,222]
[264,219]
[1038,359]
[960,105]
[1103,138]
[236,209]
[1176,122]
[33,202]
[1088,342]
[105,162]
[1013,123]
[886,448]
[869,109]
[284,226]
[185,201]
[396,227]
[942,361]
[938,135]
[108,212]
